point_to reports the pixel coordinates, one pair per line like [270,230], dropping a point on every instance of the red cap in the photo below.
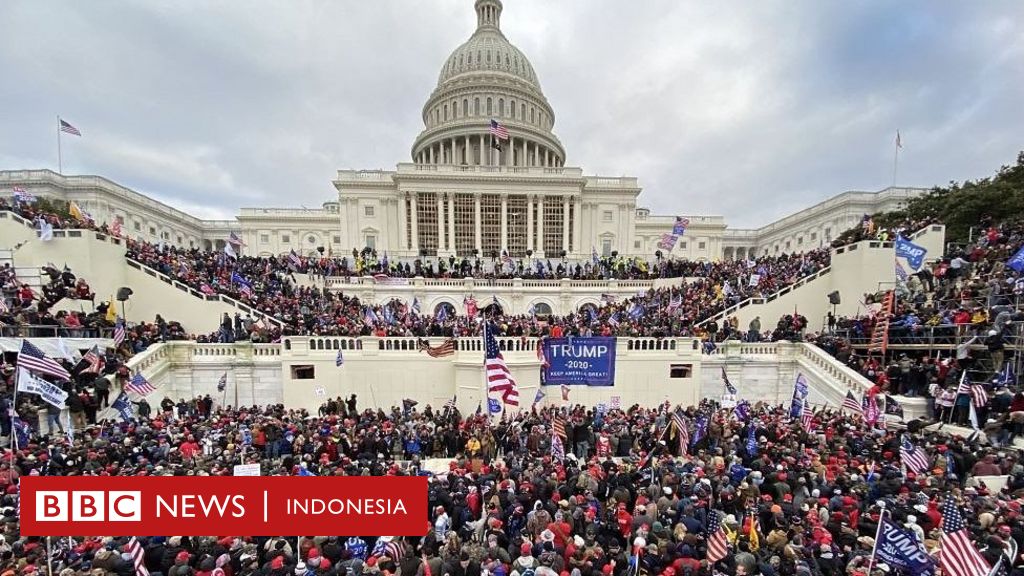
[525,549]
[277,563]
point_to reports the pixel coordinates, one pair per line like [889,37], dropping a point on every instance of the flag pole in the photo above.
[896,158]
[60,159]
[878,532]
[13,411]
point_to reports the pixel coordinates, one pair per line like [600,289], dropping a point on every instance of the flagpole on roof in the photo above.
[878,533]
[14,406]
[896,157]
[60,159]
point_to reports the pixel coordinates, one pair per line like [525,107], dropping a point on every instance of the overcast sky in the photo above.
[750,110]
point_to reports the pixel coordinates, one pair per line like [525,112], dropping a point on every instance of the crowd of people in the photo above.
[269,285]
[619,494]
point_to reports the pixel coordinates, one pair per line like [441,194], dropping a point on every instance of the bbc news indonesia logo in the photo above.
[258,506]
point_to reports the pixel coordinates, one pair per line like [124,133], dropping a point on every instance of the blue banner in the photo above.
[589,361]
[912,252]
[1017,262]
[901,550]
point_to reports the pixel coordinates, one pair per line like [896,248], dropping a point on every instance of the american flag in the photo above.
[850,403]
[33,359]
[978,395]
[447,348]
[957,555]
[682,430]
[913,458]
[558,426]
[92,361]
[964,387]
[499,379]
[451,403]
[807,419]
[135,551]
[294,258]
[717,546]
[115,229]
[498,130]
[140,386]
[118,333]
[235,239]
[222,384]
[65,127]
[728,385]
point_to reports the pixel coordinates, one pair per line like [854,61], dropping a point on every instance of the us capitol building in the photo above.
[467,193]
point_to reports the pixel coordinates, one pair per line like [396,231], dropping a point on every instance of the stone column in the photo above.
[536,154]
[547,158]
[415,226]
[510,147]
[465,152]
[522,157]
[452,245]
[565,223]
[403,243]
[540,226]
[504,222]
[529,221]
[440,223]
[577,224]
[481,161]
[431,154]
[476,224]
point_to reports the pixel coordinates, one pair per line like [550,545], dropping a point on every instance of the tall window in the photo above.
[426,221]
[408,224]
[476,106]
[489,112]
[501,107]
[517,226]
[490,224]
[572,224]
[465,107]
[552,225]
[465,229]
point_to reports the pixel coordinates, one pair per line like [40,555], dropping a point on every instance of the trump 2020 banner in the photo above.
[589,361]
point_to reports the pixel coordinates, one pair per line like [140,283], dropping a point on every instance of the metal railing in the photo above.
[52,331]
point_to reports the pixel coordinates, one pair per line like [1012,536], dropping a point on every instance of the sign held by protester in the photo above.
[246,470]
[589,361]
[50,393]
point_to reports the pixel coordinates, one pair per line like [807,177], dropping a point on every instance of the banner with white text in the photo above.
[583,361]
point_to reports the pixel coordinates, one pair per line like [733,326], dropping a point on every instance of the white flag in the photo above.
[31,384]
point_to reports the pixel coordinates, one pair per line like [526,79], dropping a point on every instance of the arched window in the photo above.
[465,107]
[501,107]
[532,111]
[476,106]
[541,309]
[522,112]
[512,108]
[455,108]
[489,112]
[488,56]
[448,308]
[446,112]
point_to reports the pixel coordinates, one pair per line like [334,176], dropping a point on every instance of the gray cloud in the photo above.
[746,110]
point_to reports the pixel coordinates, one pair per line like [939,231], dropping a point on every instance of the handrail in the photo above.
[53,331]
[111,239]
[764,299]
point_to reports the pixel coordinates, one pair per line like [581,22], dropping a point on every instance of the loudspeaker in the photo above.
[123,293]
[833,298]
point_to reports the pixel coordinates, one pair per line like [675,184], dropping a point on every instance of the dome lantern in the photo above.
[488,14]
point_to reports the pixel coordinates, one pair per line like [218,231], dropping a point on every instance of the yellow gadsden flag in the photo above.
[77,212]
[112,311]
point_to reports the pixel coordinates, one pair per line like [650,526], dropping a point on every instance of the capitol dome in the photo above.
[485,79]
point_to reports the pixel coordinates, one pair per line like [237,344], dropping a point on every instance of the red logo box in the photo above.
[204,505]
